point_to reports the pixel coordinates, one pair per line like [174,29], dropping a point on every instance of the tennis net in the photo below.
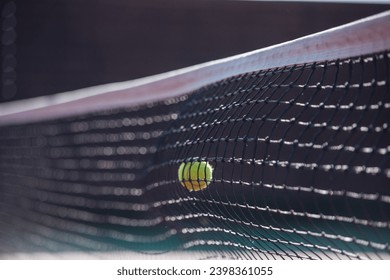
[297,135]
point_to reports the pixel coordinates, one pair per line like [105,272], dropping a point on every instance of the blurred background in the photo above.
[51,46]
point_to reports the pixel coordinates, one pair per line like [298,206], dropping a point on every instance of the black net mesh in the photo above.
[300,159]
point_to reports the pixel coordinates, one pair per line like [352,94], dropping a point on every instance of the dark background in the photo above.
[50,46]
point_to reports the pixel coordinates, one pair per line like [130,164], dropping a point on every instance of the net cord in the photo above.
[365,36]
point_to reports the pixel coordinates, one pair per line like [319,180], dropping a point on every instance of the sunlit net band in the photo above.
[300,154]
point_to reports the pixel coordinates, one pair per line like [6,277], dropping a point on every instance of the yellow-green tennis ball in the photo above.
[195,176]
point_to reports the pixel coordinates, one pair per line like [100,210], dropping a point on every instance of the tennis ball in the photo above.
[195,176]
